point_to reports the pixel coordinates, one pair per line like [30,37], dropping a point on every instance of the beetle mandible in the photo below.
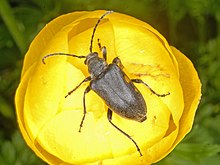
[112,85]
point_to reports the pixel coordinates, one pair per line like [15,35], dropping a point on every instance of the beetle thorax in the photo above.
[96,65]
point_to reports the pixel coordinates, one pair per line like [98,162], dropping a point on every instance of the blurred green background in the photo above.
[192,26]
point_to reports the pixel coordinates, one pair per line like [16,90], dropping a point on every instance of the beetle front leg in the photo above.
[118,62]
[109,115]
[140,81]
[85,80]
[103,50]
[84,107]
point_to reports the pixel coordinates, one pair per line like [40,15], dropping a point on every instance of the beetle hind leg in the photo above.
[109,115]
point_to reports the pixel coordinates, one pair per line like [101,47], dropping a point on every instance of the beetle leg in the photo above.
[84,106]
[85,80]
[109,115]
[103,50]
[118,62]
[140,81]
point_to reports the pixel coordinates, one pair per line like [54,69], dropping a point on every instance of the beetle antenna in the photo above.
[60,54]
[73,55]
[94,29]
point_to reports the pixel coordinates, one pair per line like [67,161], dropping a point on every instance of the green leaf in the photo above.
[8,153]
[12,24]
[197,151]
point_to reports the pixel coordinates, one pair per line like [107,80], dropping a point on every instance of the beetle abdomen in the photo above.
[120,94]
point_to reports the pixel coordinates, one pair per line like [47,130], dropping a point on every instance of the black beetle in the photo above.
[112,85]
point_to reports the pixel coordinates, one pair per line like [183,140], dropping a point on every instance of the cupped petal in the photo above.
[19,103]
[191,86]
[145,56]
[50,122]
[41,41]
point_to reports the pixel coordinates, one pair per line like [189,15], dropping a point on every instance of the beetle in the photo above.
[111,83]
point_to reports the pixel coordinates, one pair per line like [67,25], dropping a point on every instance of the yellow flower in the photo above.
[49,122]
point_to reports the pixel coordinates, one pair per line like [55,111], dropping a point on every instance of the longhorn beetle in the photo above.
[112,85]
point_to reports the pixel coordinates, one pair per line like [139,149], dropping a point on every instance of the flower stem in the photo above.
[9,19]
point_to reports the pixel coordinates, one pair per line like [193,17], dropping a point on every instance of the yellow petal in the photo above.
[43,38]
[19,100]
[50,122]
[191,86]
